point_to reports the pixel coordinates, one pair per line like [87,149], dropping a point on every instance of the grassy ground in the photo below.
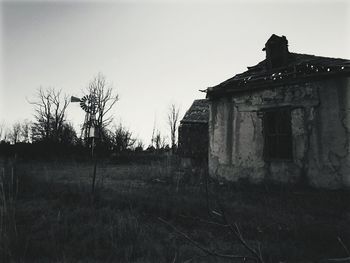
[53,217]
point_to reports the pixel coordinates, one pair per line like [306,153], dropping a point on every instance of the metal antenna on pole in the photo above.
[90,127]
[89,104]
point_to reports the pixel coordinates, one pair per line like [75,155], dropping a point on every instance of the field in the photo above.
[153,213]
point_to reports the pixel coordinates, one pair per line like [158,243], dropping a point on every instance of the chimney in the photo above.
[276,51]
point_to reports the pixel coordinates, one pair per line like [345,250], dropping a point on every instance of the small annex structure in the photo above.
[286,119]
[193,135]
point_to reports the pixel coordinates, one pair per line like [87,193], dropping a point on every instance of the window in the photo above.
[277,135]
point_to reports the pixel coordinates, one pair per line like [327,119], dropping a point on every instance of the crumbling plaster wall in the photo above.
[320,119]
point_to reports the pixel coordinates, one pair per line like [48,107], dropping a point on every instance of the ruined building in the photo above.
[193,135]
[286,119]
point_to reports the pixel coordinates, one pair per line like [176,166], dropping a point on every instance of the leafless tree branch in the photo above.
[105,100]
[204,249]
[15,132]
[173,121]
[235,231]
[50,112]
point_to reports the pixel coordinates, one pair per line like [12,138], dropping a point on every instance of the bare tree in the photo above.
[173,121]
[139,145]
[15,133]
[105,99]
[2,130]
[122,138]
[50,114]
[25,131]
[6,134]
[153,134]
[69,135]
[159,141]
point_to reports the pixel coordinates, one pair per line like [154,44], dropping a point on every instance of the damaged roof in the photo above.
[296,68]
[198,112]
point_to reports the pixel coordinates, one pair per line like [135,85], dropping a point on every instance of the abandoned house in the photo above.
[286,119]
[193,135]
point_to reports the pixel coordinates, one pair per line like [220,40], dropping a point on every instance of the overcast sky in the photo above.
[154,53]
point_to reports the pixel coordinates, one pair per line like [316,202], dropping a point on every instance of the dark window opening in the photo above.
[277,134]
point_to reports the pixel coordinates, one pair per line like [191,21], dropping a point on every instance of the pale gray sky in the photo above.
[153,52]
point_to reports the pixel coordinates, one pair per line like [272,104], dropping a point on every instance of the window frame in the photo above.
[273,136]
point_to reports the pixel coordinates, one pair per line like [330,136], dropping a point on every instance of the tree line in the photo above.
[50,127]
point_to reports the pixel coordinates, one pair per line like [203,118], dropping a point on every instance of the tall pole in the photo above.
[88,104]
[95,166]
[92,133]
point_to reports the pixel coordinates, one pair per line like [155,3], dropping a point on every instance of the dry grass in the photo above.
[56,219]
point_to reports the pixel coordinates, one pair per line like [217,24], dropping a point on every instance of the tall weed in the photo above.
[8,200]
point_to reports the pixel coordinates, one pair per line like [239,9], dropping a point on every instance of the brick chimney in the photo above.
[277,52]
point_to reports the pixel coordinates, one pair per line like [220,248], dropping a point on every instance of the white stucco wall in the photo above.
[320,119]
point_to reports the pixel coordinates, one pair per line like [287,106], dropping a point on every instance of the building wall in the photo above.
[193,143]
[320,119]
